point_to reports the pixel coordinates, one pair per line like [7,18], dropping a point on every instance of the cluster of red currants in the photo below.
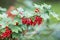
[6,34]
[28,21]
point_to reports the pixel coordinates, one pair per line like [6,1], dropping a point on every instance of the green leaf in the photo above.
[15,29]
[15,35]
[17,18]
[24,27]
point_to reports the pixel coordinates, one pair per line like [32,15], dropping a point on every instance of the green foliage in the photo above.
[15,35]
[15,29]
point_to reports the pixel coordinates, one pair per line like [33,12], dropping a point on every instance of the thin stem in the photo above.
[47,23]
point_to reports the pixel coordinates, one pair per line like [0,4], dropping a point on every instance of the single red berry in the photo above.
[29,21]
[34,23]
[38,19]
[8,32]
[3,35]
[24,20]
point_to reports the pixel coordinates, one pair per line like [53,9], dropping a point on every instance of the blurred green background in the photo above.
[55,3]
